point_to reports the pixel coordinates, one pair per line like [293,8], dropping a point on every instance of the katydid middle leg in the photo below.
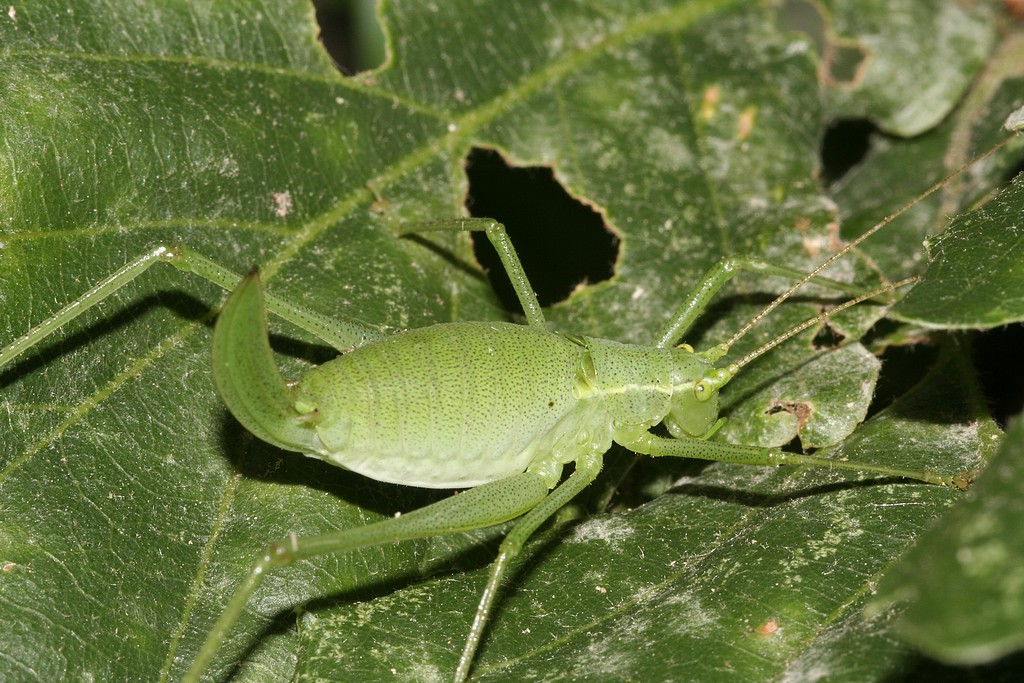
[498,237]
[587,469]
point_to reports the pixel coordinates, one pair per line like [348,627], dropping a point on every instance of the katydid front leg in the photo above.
[649,444]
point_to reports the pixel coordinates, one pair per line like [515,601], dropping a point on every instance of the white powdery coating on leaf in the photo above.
[1015,121]
[692,616]
[803,672]
[611,530]
[605,658]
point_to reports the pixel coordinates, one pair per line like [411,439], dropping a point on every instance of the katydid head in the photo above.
[693,412]
[644,385]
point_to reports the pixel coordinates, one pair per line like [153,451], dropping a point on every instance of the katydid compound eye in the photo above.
[702,390]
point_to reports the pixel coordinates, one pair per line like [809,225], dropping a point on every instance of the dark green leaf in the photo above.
[975,278]
[131,503]
[963,580]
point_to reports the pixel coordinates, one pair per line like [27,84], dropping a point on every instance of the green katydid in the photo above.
[383,410]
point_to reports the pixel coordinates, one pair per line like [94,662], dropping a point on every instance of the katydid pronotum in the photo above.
[573,396]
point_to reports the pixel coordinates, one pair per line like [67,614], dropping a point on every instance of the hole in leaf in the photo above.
[846,63]
[1013,173]
[828,338]
[846,143]
[997,356]
[804,17]
[842,60]
[351,35]
[561,241]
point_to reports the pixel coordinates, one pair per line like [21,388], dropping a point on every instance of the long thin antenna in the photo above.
[824,315]
[842,252]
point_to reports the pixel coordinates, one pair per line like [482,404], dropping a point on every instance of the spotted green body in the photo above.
[462,404]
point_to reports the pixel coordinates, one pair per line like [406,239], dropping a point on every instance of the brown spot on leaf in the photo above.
[768,628]
[801,410]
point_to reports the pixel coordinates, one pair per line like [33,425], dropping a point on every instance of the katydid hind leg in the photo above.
[475,508]
[587,469]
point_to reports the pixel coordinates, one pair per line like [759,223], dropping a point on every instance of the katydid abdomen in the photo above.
[449,406]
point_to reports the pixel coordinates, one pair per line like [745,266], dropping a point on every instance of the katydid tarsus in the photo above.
[565,400]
